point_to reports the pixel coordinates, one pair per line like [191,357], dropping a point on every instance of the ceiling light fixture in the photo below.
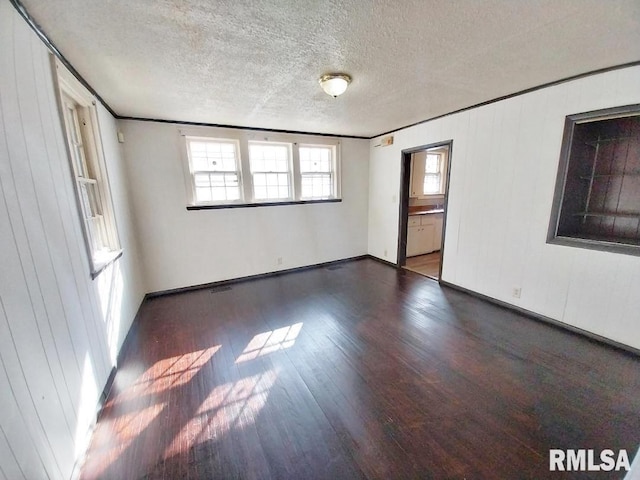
[335,84]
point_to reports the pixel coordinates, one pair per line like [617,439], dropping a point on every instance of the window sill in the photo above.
[604,245]
[104,262]
[260,204]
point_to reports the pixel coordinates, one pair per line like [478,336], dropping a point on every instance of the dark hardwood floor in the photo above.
[360,371]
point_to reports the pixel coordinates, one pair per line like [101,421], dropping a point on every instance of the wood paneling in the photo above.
[55,336]
[504,165]
[361,371]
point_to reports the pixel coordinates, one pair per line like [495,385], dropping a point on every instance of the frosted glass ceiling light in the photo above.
[335,84]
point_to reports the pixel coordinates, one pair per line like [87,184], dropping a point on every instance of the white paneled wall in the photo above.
[504,164]
[184,248]
[59,330]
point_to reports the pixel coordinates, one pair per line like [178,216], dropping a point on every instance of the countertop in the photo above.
[426,211]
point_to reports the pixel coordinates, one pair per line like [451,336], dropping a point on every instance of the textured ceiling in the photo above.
[256,63]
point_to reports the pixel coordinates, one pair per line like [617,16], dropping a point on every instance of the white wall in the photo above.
[183,248]
[59,330]
[504,164]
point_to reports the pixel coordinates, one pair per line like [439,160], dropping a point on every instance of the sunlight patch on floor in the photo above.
[232,405]
[271,341]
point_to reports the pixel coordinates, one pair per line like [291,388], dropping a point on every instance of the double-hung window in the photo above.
[215,170]
[232,169]
[317,179]
[270,171]
[78,112]
[432,184]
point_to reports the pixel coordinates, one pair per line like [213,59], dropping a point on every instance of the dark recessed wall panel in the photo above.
[600,197]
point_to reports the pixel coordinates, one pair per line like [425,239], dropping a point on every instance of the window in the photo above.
[597,199]
[432,174]
[270,171]
[214,168]
[316,171]
[80,120]
[428,172]
[234,169]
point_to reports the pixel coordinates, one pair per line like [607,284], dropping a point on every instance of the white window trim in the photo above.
[292,190]
[244,137]
[190,174]
[66,85]
[335,176]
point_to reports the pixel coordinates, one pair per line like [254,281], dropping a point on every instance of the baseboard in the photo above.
[380,260]
[259,276]
[107,389]
[627,349]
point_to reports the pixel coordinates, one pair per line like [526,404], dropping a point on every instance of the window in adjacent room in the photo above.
[428,173]
[214,170]
[78,112]
[432,184]
[316,171]
[270,170]
[597,199]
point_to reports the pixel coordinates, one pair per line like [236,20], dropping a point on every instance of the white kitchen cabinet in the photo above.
[438,219]
[417,175]
[419,240]
[424,234]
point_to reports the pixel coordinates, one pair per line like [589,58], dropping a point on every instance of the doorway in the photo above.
[425,173]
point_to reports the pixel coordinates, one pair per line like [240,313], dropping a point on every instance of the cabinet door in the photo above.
[437,241]
[425,238]
[417,175]
[413,242]
[421,239]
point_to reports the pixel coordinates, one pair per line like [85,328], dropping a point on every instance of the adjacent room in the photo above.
[319,239]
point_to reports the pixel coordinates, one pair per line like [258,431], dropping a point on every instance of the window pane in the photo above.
[270,186]
[203,194]
[270,165]
[218,194]
[433,164]
[216,187]
[431,183]
[269,158]
[315,159]
[85,200]
[260,192]
[259,179]
[213,156]
[316,185]
[97,233]
[75,138]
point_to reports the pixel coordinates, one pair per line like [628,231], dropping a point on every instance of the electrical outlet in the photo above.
[279,260]
[385,252]
[516,292]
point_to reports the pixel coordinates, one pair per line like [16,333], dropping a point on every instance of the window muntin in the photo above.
[214,168]
[316,171]
[270,170]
